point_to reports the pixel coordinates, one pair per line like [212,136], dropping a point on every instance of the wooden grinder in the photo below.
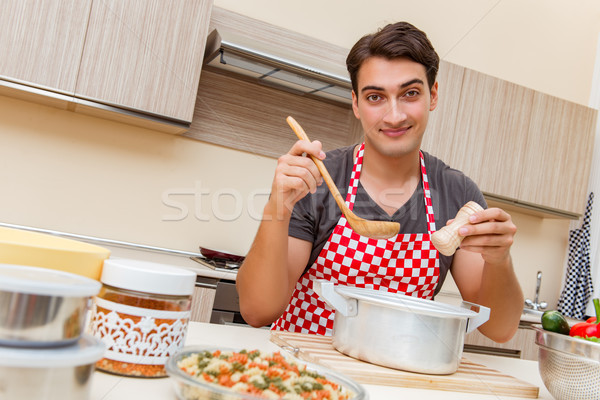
[447,239]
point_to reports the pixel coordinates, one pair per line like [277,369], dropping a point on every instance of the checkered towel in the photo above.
[578,283]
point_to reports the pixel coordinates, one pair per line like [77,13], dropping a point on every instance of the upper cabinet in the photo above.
[145,55]
[520,146]
[137,61]
[41,42]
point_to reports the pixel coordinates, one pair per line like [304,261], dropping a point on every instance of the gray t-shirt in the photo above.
[315,216]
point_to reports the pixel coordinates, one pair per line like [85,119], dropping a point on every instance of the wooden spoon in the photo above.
[372,229]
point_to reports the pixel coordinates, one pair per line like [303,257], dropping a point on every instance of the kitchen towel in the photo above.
[578,282]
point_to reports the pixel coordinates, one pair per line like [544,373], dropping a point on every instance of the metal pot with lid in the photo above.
[400,331]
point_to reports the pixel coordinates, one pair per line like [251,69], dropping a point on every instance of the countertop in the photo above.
[112,387]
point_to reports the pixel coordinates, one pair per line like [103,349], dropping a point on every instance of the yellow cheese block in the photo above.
[42,250]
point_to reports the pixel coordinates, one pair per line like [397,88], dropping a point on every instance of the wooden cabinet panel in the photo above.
[41,42]
[145,55]
[246,116]
[559,146]
[522,345]
[520,146]
[440,137]
[202,304]
[491,133]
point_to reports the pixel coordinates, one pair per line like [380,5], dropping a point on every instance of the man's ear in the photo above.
[434,96]
[355,105]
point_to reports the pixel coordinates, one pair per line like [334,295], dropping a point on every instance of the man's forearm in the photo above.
[501,292]
[262,281]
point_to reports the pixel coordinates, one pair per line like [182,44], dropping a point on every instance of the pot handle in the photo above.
[326,290]
[483,314]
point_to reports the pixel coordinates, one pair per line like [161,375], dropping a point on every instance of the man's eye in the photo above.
[373,97]
[412,93]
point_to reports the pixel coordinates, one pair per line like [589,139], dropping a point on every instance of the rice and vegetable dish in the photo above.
[269,376]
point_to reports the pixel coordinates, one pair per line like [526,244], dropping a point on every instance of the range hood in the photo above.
[299,74]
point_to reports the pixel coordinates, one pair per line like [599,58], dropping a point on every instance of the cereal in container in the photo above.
[141,314]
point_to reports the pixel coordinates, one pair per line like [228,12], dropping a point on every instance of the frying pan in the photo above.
[218,255]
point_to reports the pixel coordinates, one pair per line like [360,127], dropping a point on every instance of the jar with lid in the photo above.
[141,314]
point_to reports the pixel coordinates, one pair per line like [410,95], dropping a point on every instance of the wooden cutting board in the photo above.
[470,377]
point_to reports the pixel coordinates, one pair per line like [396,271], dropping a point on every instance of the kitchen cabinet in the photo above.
[41,42]
[559,152]
[522,345]
[145,55]
[520,146]
[237,112]
[134,61]
[202,304]
[229,114]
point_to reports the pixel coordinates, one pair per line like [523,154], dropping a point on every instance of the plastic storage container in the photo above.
[141,314]
[59,373]
[42,307]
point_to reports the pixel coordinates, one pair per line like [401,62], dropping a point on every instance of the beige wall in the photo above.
[80,174]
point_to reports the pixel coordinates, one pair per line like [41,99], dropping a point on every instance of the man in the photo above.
[304,237]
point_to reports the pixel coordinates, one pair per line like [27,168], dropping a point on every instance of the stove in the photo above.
[217,264]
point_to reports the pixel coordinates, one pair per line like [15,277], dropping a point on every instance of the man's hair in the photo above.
[399,40]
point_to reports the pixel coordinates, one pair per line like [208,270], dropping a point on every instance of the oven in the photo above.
[226,305]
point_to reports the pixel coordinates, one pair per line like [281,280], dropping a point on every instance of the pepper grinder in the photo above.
[447,239]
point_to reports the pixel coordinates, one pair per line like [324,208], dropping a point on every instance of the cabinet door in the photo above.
[439,139]
[559,154]
[202,304]
[145,55]
[41,42]
[491,132]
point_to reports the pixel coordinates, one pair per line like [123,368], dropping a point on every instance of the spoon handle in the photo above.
[320,166]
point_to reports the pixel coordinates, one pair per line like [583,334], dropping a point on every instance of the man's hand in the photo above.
[296,175]
[491,233]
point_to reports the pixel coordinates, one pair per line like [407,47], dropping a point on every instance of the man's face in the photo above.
[393,104]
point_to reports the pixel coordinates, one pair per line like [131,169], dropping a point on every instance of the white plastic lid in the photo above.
[87,350]
[46,282]
[148,277]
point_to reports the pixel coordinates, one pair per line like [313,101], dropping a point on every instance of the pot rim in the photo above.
[404,302]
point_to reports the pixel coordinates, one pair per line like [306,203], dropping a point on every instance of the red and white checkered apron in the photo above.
[406,263]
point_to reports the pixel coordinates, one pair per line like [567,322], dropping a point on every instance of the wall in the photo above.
[80,174]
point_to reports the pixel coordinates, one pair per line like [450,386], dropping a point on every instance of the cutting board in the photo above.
[470,377]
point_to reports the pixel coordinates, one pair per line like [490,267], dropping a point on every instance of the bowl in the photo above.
[63,373]
[23,247]
[43,307]
[189,388]
[569,367]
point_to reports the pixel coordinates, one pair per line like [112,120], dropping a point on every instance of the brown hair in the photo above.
[399,40]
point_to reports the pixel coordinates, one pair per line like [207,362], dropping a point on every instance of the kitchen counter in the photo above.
[112,387]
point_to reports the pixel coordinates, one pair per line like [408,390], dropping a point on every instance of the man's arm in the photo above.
[266,280]
[483,271]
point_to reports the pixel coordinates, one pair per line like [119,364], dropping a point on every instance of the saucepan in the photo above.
[399,331]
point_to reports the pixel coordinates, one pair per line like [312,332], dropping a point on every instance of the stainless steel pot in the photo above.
[399,331]
[42,307]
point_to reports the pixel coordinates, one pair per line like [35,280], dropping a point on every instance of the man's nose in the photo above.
[394,113]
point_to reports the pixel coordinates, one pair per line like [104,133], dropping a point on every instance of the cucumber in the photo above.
[554,321]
